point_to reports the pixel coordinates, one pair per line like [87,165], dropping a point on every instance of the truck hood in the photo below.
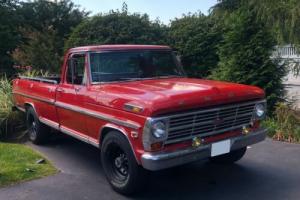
[161,96]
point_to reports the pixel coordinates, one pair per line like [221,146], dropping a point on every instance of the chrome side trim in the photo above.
[129,124]
[74,134]
[49,101]
[79,136]
[93,142]
[69,132]
[50,123]
[20,108]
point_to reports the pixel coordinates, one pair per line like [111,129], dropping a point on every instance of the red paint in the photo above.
[156,96]
[218,137]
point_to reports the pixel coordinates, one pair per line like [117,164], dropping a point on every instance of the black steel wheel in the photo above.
[38,132]
[119,164]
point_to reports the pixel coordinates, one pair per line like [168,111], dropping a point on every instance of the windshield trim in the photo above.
[177,62]
[141,79]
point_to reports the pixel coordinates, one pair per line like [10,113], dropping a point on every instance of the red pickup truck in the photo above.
[135,103]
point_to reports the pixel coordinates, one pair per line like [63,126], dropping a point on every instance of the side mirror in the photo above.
[178,56]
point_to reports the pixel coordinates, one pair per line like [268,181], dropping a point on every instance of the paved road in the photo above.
[270,170]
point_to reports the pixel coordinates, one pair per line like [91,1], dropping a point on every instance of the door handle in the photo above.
[60,90]
[77,89]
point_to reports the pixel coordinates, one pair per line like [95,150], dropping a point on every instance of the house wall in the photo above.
[292,87]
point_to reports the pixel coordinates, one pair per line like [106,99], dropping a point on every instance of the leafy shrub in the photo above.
[272,126]
[285,126]
[10,121]
[117,28]
[195,37]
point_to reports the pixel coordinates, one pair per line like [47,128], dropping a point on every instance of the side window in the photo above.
[76,73]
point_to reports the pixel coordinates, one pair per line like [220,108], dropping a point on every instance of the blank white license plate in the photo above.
[220,148]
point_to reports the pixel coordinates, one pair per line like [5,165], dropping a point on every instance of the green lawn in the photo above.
[18,164]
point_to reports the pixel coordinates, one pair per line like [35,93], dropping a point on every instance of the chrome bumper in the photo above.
[162,160]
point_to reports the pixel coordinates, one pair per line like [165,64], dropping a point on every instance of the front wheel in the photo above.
[230,157]
[119,164]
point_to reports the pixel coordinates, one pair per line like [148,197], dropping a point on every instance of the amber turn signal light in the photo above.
[156,146]
[246,130]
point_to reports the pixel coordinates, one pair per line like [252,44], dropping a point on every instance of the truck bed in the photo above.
[40,92]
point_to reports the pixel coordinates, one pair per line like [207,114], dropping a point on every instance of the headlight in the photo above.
[159,129]
[155,133]
[260,110]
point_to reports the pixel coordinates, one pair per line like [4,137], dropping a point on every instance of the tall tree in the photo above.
[281,16]
[9,35]
[245,55]
[46,24]
[196,37]
[40,50]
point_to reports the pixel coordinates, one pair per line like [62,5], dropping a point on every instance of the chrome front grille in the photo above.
[209,121]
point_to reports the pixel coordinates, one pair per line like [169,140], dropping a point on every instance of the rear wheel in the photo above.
[230,157]
[38,132]
[119,164]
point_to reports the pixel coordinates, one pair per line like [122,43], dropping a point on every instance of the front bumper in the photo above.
[162,160]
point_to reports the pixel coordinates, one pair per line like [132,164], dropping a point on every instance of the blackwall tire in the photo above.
[37,131]
[120,166]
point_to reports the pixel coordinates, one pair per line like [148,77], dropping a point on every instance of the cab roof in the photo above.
[109,47]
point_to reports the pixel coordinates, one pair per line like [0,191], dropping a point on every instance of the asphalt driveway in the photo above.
[270,170]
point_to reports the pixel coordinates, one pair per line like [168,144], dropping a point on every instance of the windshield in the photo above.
[133,65]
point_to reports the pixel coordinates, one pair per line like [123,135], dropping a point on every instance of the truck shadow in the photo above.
[247,179]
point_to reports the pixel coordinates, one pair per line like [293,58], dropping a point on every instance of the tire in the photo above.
[37,131]
[230,157]
[121,169]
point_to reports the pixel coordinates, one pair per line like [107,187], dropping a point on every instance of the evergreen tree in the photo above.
[9,35]
[245,55]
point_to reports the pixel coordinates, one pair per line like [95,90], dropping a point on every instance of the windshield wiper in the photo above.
[169,76]
[132,79]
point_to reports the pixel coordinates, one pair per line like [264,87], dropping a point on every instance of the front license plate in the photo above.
[220,148]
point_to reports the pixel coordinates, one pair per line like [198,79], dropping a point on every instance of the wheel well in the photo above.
[104,132]
[27,106]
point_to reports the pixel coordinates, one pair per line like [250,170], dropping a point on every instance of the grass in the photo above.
[18,164]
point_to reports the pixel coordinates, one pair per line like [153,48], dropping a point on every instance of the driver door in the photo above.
[70,98]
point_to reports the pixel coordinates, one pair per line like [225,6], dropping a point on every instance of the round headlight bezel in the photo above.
[159,129]
[260,110]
